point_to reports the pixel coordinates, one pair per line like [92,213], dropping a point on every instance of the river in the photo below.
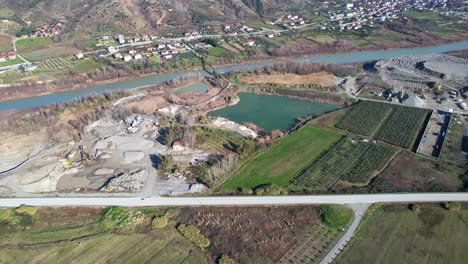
[349,57]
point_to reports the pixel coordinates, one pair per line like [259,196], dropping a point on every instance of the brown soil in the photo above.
[251,235]
[410,173]
[320,78]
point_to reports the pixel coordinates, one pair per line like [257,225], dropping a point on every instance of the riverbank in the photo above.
[131,83]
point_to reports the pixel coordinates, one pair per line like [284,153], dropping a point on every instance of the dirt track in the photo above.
[320,78]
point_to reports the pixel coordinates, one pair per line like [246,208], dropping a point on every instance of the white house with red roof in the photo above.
[79,54]
[137,56]
[127,57]
[2,59]
[11,55]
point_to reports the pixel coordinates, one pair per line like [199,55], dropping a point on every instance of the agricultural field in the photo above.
[153,235]
[63,235]
[9,28]
[396,234]
[351,161]
[393,124]
[11,62]
[364,118]
[55,64]
[279,164]
[402,126]
[408,172]
[5,44]
[32,43]
[219,141]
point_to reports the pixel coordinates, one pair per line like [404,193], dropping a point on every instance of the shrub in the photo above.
[115,218]
[271,189]
[30,210]
[224,259]
[414,207]
[159,222]
[336,216]
[452,206]
[193,234]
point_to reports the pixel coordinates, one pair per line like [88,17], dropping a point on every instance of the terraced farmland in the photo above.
[394,124]
[55,64]
[349,160]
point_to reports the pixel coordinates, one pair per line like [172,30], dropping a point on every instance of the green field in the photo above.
[216,51]
[351,161]
[279,164]
[395,234]
[85,235]
[393,124]
[32,43]
[11,62]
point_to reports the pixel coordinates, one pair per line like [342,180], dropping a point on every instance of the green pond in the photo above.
[271,112]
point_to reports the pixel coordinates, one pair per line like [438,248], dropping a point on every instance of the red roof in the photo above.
[177,143]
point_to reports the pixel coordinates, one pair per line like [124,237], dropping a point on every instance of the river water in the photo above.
[157,79]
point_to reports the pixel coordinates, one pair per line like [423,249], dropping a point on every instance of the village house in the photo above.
[177,146]
[137,56]
[2,59]
[11,55]
[169,56]
[249,42]
[111,49]
[117,55]
[121,39]
[79,54]
[131,51]
[127,57]
[164,52]
[174,51]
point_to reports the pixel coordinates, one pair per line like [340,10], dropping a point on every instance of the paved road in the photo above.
[234,200]
[359,211]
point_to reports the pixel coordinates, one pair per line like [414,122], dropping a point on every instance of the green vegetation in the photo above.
[193,234]
[402,126]
[65,235]
[271,189]
[86,66]
[279,164]
[25,31]
[118,218]
[336,216]
[394,124]
[32,43]
[224,259]
[350,161]
[433,235]
[216,51]
[364,117]
[11,62]
[159,222]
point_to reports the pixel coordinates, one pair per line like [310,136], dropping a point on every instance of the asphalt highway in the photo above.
[235,200]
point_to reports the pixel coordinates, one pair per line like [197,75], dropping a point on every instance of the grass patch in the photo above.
[216,51]
[11,62]
[279,164]
[396,234]
[86,66]
[336,216]
[32,43]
